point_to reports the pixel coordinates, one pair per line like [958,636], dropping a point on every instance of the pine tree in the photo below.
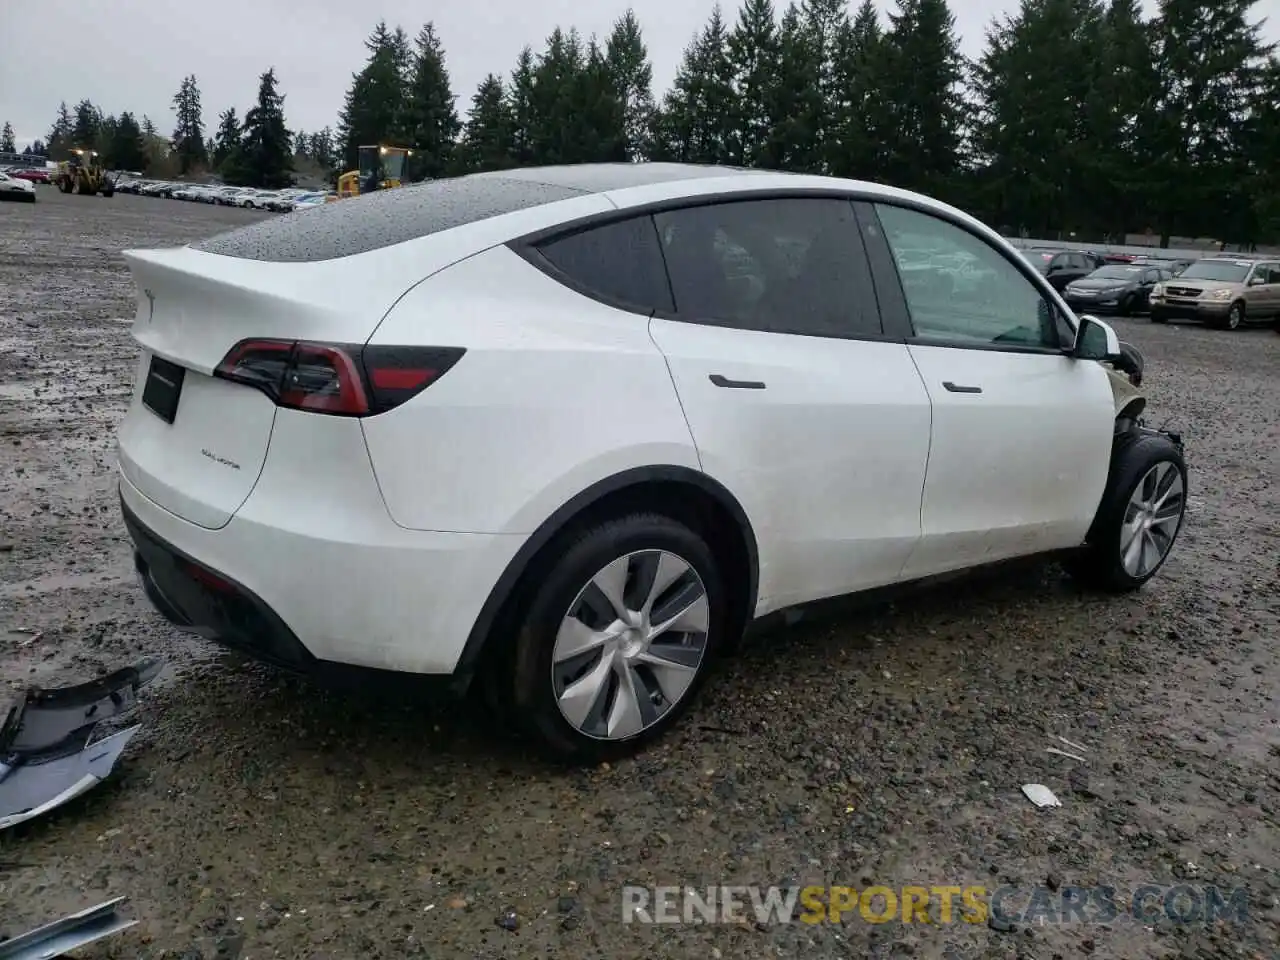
[922,71]
[84,130]
[129,150]
[320,148]
[1211,63]
[488,141]
[227,139]
[266,147]
[752,49]
[522,109]
[188,135]
[60,134]
[7,143]
[794,138]
[432,121]
[631,74]
[556,119]
[374,109]
[860,122]
[696,123]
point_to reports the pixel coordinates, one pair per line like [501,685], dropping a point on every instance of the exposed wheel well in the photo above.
[681,494]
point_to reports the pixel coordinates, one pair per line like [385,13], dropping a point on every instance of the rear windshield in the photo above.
[345,228]
[1115,273]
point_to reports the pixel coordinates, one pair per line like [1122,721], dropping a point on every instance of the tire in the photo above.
[1141,464]
[1234,318]
[633,545]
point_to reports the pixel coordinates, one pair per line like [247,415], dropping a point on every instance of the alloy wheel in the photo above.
[630,645]
[1151,519]
[1234,316]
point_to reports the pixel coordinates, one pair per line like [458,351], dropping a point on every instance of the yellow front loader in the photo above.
[381,168]
[83,173]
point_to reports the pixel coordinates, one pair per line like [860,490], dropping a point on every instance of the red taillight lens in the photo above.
[335,378]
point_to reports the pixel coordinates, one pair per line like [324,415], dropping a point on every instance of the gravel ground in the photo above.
[257,816]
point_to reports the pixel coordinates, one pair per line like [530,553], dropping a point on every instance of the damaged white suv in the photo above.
[566,431]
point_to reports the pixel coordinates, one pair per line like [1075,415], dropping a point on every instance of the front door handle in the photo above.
[959,388]
[723,381]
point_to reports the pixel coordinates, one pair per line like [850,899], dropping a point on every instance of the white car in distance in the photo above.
[563,432]
[16,188]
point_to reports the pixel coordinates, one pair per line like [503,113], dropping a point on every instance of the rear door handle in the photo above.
[723,381]
[960,388]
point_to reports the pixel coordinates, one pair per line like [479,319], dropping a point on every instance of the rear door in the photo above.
[798,400]
[1021,432]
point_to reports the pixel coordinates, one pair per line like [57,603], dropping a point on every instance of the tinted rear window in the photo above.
[345,228]
[618,262]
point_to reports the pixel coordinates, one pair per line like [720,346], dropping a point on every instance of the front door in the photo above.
[796,399]
[1021,432]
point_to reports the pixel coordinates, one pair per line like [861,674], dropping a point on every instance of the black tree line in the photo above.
[1079,115]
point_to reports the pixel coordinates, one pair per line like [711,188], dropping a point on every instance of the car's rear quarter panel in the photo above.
[556,392]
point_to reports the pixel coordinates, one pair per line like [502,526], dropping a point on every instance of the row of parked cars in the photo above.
[281,201]
[1226,291]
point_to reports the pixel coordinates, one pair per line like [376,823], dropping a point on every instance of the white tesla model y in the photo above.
[568,430]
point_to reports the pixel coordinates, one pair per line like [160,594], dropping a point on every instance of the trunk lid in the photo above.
[191,442]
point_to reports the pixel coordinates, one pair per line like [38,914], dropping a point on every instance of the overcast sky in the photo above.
[132,54]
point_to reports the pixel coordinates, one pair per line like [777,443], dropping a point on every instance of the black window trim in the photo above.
[533,255]
[894,315]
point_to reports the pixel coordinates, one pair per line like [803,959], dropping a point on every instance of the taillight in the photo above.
[336,378]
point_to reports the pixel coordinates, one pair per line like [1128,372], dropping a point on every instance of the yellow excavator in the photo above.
[83,173]
[381,168]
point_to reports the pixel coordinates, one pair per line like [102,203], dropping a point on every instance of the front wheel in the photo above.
[617,636]
[1140,515]
[1234,317]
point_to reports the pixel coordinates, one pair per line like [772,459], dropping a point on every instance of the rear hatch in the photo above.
[192,442]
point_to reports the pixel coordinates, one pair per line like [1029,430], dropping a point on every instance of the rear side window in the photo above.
[781,266]
[382,219]
[619,263]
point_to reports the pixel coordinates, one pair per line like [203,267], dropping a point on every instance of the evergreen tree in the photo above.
[128,148]
[148,128]
[922,72]
[320,148]
[522,109]
[188,135]
[797,105]
[859,124]
[7,143]
[488,141]
[1212,66]
[265,158]
[374,109]
[432,121]
[1036,79]
[227,139]
[631,74]
[84,129]
[696,124]
[557,125]
[60,134]
[753,49]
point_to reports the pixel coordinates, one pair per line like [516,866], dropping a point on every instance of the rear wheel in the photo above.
[1140,515]
[618,636]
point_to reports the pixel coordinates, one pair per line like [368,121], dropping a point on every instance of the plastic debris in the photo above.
[29,789]
[57,938]
[1063,753]
[1040,795]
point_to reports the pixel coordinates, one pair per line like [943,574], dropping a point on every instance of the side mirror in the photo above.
[1257,281]
[1095,340]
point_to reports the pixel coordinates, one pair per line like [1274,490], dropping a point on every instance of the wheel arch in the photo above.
[681,492]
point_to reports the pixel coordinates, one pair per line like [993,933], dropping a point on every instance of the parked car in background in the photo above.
[33,174]
[1063,266]
[580,425]
[1115,288]
[1220,291]
[13,188]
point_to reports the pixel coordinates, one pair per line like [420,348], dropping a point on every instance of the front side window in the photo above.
[994,304]
[617,262]
[781,266]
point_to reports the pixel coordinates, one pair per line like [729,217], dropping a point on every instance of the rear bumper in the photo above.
[387,600]
[1164,310]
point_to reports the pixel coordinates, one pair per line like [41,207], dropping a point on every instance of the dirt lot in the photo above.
[257,816]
